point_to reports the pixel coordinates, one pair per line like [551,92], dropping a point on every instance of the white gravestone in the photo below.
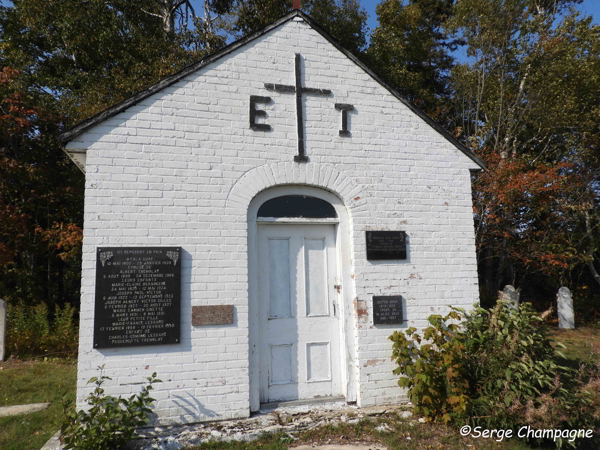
[2,328]
[566,314]
[511,296]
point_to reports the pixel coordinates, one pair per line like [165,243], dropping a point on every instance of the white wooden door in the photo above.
[298,308]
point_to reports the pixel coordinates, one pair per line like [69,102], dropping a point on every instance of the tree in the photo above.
[40,202]
[179,17]
[169,11]
[345,20]
[63,61]
[527,104]
[91,54]
[411,50]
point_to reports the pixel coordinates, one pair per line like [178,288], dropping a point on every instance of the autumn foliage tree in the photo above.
[61,62]
[527,103]
[525,100]
[40,202]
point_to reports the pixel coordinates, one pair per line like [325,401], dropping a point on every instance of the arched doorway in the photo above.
[298,342]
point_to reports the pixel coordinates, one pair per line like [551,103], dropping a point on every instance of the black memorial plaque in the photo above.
[386,245]
[387,309]
[137,296]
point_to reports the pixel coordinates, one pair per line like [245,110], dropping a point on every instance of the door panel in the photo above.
[299,330]
[281,364]
[318,362]
[279,278]
[315,277]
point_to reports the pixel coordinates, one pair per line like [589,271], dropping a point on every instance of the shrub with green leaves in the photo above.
[513,364]
[63,337]
[433,371]
[110,422]
[497,369]
[29,330]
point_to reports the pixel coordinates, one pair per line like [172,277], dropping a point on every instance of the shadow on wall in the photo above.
[191,408]
[190,411]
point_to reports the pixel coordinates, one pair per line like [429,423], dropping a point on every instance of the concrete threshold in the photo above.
[299,405]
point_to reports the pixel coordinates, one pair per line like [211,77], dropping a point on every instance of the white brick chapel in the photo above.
[258,224]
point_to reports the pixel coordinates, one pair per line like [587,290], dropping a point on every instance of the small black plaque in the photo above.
[387,309]
[137,296]
[386,245]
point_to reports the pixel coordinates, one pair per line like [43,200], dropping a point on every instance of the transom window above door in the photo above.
[300,206]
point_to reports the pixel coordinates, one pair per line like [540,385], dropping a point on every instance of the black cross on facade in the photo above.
[299,90]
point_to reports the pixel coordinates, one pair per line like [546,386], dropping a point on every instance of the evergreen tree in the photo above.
[411,50]
[345,20]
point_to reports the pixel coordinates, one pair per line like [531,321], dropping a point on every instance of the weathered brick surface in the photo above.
[180,168]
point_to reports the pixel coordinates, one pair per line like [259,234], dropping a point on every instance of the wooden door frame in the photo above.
[348,335]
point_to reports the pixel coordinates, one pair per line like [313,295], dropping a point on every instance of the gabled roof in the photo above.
[82,127]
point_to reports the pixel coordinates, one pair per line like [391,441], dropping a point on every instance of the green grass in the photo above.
[23,382]
[583,344]
[38,381]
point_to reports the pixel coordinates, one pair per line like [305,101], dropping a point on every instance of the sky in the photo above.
[588,7]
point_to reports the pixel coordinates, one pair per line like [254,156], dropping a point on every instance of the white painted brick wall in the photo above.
[167,173]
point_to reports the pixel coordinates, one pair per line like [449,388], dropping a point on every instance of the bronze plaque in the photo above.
[212,315]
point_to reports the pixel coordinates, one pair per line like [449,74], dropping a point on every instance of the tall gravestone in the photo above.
[511,296]
[566,314]
[2,328]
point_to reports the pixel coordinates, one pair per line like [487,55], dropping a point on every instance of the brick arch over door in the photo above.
[329,184]
[286,173]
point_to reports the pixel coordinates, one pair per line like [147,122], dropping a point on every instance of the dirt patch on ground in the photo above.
[333,437]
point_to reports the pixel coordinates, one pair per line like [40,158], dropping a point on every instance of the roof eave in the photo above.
[112,111]
[82,127]
[396,94]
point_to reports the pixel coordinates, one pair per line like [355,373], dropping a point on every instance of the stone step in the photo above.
[22,409]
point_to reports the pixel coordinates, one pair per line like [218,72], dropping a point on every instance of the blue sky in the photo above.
[588,8]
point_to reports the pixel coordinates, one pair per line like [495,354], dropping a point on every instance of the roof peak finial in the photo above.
[295,4]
